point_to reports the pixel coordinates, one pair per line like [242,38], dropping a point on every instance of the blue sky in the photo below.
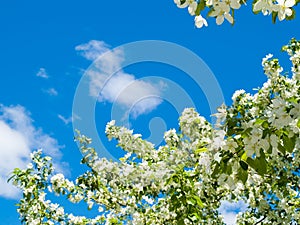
[41,69]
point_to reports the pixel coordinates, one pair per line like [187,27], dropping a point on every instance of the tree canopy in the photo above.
[252,154]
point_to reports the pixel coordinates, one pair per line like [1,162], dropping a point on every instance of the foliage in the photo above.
[250,154]
[225,9]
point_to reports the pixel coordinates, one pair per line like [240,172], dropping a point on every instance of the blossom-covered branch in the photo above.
[225,9]
[252,154]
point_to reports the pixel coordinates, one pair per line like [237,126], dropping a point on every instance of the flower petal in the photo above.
[229,18]
[289,3]
[220,19]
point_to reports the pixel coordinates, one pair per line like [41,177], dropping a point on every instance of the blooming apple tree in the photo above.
[252,154]
[225,9]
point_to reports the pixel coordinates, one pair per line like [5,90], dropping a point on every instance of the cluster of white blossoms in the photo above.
[252,154]
[225,9]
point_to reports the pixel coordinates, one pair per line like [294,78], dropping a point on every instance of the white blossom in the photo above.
[284,8]
[200,21]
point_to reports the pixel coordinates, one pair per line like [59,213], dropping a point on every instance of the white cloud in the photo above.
[68,120]
[42,73]
[229,210]
[51,92]
[122,88]
[93,49]
[230,218]
[18,137]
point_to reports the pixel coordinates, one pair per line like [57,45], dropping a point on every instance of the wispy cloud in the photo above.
[18,137]
[229,210]
[42,73]
[121,88]
[68,120]
[51,91]
[93,49]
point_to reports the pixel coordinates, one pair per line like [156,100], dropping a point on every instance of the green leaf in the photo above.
[289,143]
[200,150]
[191,201]
[259,121]
[10,178]
[195,200]
[262,163]
[228,169]
[293,100]
[291,17]
[259,164]
[244,157]
[181,222]
[242,175]
[262,123]
[227,158]
[270,150]
[281,148]
[274,16]
[265,124]
[244,165]
[246,132]
[199,201]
